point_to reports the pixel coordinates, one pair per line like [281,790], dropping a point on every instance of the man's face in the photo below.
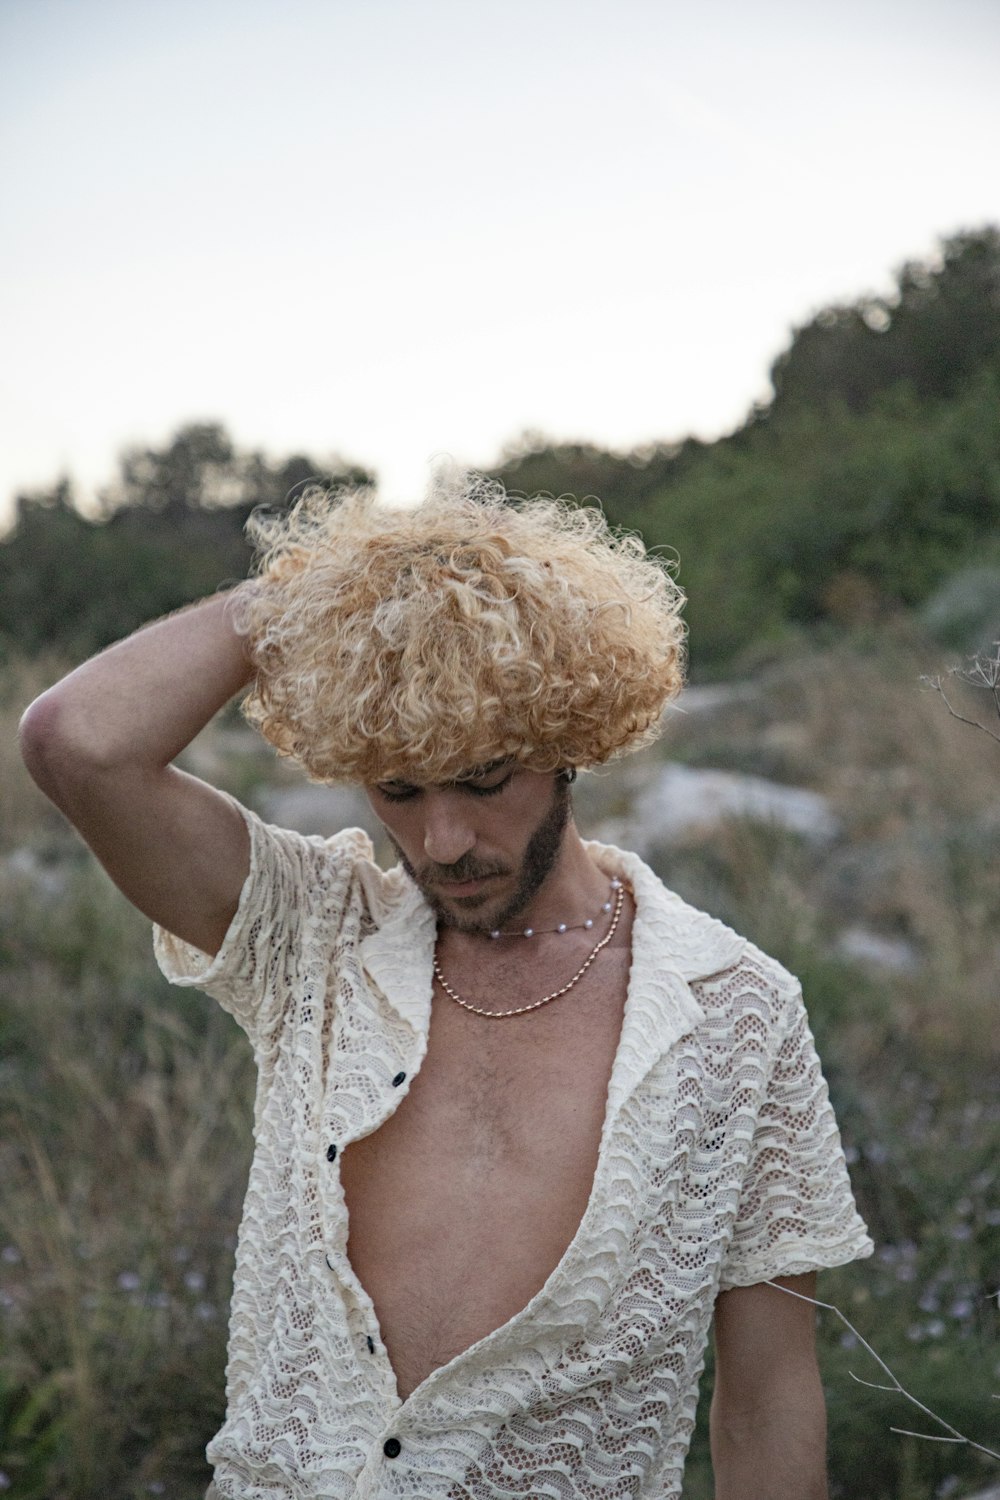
[479,847]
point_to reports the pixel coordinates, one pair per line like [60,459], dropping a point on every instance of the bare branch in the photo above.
[872,1385]
[928,1437]
[983,671]
[937,686]
[955,1435]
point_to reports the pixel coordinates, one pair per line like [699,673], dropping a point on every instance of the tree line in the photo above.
[868,480]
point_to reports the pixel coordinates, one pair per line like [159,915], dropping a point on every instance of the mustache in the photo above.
[462,870]
[466,868]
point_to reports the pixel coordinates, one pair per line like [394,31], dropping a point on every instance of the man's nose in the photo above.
[447,834]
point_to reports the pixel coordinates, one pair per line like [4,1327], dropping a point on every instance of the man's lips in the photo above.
[464,887]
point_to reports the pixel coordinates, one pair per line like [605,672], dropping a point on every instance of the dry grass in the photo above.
[125,1147]
[918,797]
[125,1106]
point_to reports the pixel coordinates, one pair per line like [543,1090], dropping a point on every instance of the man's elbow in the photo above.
[55,746]
[37,737]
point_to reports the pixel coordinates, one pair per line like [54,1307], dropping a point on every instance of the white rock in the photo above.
[697,700]
[879,952]
[23,867]
[680,801]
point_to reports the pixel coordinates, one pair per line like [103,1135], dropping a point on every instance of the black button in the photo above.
[392,1447]
[371,1344]
[399,1078]
[331,1152]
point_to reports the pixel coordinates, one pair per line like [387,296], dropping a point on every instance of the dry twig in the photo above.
[954,1435]
[983,674]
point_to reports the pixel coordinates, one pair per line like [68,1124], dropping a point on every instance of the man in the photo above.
[524,1119]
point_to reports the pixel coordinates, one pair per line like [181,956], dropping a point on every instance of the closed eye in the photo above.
[486,791]
[397,791]
[404,791]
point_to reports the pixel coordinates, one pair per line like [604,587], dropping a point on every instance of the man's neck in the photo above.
[574,890]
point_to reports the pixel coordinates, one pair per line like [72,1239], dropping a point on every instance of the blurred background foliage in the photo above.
[867,483]
[169,529]
[861,489]
[841,543]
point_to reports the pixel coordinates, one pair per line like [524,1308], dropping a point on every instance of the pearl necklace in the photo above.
[498,1015]
[562,927]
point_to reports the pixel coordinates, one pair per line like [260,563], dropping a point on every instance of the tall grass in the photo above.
[125,1129]
[913,1058]
[125,1147]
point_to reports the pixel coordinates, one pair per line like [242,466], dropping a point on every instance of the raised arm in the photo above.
[100,745]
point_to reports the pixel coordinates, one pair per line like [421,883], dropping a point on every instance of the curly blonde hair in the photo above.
[415,645]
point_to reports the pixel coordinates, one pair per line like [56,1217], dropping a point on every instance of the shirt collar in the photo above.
[673,944]
[398,956]
[680,937]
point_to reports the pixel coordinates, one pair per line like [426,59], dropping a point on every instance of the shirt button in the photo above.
[399,1078]
[331,1152]
[392,1447]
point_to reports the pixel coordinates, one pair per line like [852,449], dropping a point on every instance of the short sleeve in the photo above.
[796,1211]
[292,901]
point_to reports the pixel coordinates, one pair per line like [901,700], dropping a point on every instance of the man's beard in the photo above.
[539,858]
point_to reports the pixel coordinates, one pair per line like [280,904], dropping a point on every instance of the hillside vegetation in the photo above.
[869,481]
[837,548]
[126,1106]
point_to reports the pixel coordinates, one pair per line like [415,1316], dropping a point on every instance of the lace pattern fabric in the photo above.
[720,1165]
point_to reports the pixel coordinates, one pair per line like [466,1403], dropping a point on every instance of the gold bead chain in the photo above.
[498,1015]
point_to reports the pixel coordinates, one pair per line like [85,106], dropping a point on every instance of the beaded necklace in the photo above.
[499,1015]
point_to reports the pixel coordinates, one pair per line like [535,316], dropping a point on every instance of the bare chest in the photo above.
[465,1200]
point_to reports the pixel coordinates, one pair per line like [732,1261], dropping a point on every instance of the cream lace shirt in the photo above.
[720,1165]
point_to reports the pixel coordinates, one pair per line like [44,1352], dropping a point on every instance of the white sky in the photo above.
[398,228]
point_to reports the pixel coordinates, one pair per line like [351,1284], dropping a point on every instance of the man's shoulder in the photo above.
[347,844]
[385,895]
[756,985]
[307,864]
[726,970]
[670,932]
